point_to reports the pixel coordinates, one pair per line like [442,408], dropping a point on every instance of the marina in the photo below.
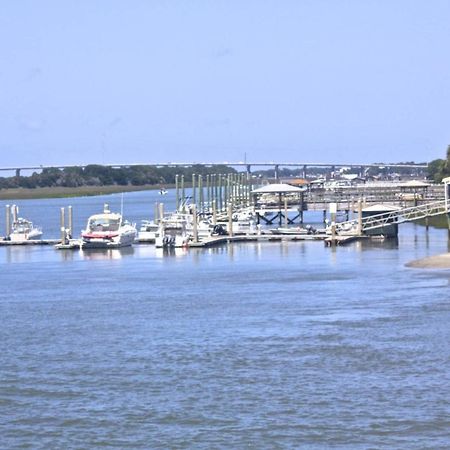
[229,208]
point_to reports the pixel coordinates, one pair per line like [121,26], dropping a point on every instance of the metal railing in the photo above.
[398,216]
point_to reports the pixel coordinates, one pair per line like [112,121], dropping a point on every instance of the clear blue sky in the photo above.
[104,81]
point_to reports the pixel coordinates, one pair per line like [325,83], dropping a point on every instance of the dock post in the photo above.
[70,221]
[230,219]
[15,213]
[427,223]
[161,212]
[155,213]
[62,226]
[8,221]
[333,234]
[177,193]
[214,212]
[219,192]
[200,194]
[225,188]
[359,217]
[208,193]
[333,211]
[194,197]
[324,220]
[194,223]
[214,189]
[285,212]
[183,196]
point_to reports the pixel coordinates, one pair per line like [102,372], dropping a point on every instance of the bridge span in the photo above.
[248,165]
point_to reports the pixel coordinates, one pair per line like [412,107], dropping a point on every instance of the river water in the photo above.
[270,345]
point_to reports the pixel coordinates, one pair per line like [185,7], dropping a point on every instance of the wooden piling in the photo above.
[70,221]
[156,213]
[359,217]
[183,196]
[285,211]
[333,228]
[208,192]
[15,213]
[194,223]
[201,199]
[214,212]
[62,226]
[8,221]
[194,197]
[177,193]
[230,219]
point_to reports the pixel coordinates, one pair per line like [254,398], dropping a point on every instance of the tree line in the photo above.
[439,168]
[98,175]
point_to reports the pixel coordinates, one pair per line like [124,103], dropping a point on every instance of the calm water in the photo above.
[270,345]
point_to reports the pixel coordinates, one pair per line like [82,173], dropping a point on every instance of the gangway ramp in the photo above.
[398,216]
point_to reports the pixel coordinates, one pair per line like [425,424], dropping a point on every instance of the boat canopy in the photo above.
[278,188]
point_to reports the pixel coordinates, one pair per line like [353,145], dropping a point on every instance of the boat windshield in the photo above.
[103,224]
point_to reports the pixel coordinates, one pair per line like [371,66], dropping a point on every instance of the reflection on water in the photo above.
[102,254]
[171,252]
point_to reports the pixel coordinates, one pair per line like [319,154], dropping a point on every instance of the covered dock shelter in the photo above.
[274,201]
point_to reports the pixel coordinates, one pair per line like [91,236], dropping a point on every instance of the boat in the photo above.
[24,230]
[107,230]
[148,231]
[294,230]
[174,231]
[162,191]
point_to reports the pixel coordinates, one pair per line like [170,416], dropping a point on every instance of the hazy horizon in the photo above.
[315,81]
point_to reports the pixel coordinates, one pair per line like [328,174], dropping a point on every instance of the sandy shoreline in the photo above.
[431,262]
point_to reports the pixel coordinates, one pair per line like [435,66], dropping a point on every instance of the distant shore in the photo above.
[62,192]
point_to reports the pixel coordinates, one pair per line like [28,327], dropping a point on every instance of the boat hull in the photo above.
[123,240]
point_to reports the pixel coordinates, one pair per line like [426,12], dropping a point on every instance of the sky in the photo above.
[147,81]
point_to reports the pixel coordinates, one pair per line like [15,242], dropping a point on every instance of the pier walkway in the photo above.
[398,216]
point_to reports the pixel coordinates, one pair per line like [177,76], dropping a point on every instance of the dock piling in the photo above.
[62,226]
[70,221]
[194,223]
[230,219]
[8,221]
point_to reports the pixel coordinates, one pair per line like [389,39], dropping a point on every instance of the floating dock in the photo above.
[6,243]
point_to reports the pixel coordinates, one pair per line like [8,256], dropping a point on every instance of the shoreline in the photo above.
[441,261]
[67,192]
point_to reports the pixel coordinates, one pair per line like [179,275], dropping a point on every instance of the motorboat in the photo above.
[294,230]
[175,231]
[107,230]
[24,230]
[148,231]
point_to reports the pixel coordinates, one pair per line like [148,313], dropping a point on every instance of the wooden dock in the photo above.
[6,243]
[264,237]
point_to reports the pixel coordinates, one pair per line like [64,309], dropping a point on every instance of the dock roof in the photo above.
[277,188]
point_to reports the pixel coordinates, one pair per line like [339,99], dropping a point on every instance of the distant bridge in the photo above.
[248,165]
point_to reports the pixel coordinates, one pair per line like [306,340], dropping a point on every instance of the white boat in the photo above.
[107,230]
[294,230]
[24,230]
[148,231]
[174,232]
